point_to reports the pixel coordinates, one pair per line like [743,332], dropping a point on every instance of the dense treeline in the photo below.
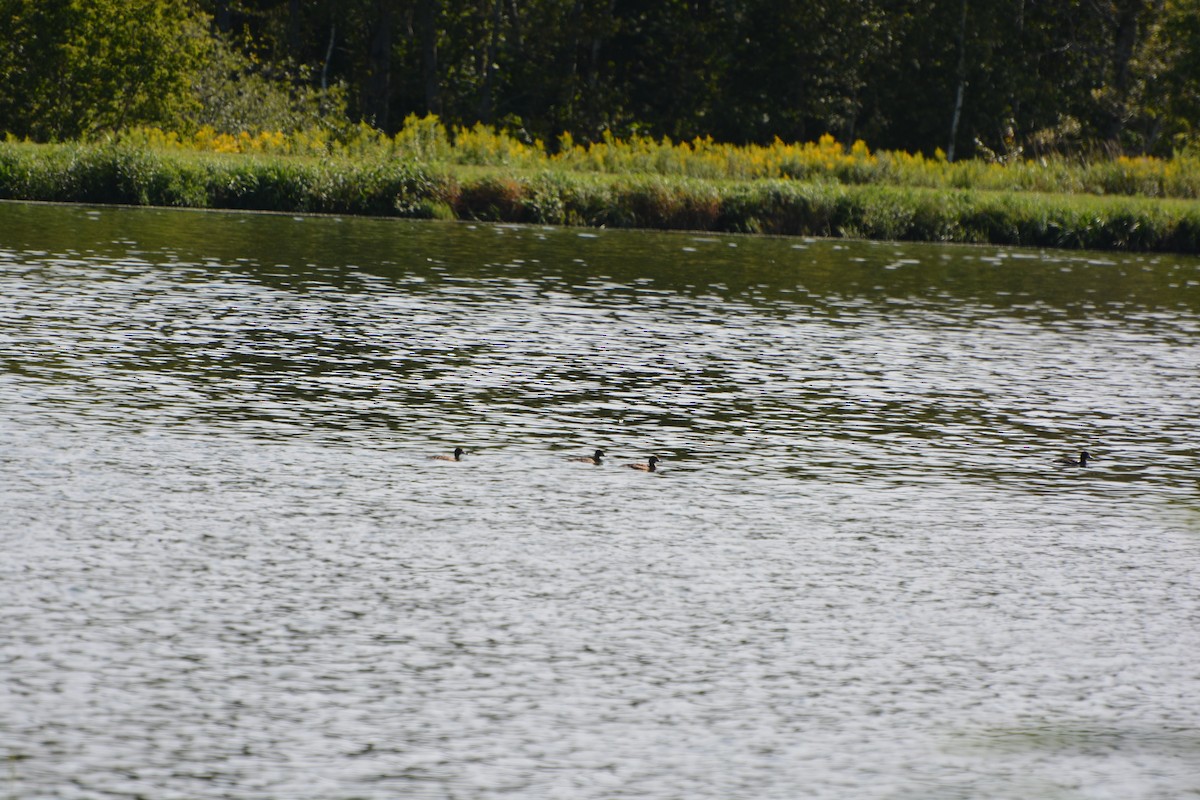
[969,77]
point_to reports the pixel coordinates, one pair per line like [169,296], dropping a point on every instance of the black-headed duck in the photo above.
[458,454]
[1070,462]
[649,466]
[595,458]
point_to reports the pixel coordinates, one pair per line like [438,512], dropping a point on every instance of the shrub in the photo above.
[494,198]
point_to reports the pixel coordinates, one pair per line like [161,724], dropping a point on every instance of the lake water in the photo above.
[230,569]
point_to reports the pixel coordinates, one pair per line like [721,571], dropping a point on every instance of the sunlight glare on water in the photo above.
[232,569]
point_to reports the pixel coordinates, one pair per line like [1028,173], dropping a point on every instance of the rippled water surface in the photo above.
[230,568]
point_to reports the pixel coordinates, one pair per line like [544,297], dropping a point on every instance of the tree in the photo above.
[1151,100]
[1171,64]
[75,68]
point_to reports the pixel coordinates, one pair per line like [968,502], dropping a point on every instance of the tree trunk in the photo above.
[427,12]
[293,29]
[328,54]
[1126,34]
[487,99]
[379,71]
[962,82]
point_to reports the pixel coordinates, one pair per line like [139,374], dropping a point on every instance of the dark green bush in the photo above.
[494,198]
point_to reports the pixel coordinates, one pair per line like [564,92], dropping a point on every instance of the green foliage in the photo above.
[115,172]
[424,139]
[76,68]
[495,198]
[1035,77]
[236,93]
[1170,60]
[999,79]
[657,202]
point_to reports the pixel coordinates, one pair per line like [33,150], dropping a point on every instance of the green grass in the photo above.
[380,185]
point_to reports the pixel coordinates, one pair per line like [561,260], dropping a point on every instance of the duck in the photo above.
[595,458]
[649,466]
[458,454]
[1070,462]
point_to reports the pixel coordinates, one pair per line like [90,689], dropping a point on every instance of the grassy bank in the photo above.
[426,140]
[384,182]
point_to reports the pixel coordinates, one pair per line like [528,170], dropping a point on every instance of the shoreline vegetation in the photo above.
[808,189]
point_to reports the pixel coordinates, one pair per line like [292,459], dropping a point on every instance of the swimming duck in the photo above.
[647,467]
[595,458]
[458,454]
[1070,462]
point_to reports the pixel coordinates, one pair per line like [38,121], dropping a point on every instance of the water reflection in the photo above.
[858,571]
